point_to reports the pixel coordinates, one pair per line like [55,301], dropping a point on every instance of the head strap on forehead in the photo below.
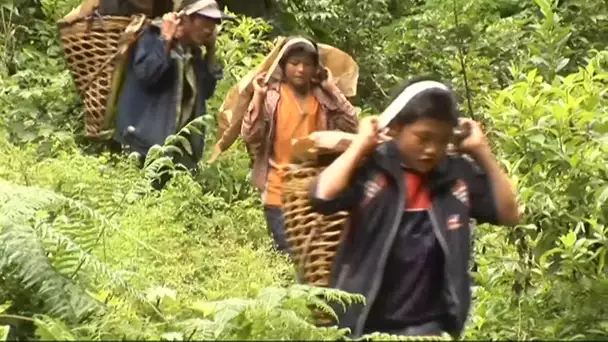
[296,40]
[405,97]
[290,43]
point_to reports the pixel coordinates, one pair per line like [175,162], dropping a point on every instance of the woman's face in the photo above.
[300,69]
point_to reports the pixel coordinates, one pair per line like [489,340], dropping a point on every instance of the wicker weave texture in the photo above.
[89,45]
[313,238]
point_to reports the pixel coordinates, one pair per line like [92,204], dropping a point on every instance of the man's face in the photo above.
[300,69]
[423,143]
[199,29]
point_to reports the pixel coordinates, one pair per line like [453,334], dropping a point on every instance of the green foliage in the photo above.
[89,251]
[35,105]
[4,329]
[552,139]
[338,23]
[69,237]
[388,337]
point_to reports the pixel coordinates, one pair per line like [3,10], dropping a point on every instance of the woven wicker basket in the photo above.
[313,238]
[91,46]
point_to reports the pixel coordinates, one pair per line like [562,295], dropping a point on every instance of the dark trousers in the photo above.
[276,226]
[432,328]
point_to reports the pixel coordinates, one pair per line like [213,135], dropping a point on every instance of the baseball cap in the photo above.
[206,8]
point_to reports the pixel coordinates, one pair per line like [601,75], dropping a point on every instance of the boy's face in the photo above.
[300,69]
[423,143]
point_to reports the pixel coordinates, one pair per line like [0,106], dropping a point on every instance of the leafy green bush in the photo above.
[89,251]
[548,279]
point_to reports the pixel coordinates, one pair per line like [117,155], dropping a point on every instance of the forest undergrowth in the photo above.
[89,251]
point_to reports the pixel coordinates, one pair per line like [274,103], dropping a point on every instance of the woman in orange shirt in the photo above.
[303,100]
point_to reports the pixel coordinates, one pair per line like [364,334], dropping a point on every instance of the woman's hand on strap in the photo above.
[259,84]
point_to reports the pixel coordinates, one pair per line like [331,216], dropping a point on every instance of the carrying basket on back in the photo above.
[94,46]
[90,47]
[313,238]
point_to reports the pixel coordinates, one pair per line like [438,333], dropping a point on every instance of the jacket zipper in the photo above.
[382,261]
[446,252]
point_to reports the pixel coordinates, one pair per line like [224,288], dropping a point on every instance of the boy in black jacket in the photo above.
[408,248]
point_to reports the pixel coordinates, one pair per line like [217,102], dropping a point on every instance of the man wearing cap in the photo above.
[169,79]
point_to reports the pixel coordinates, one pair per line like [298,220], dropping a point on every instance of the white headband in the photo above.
[406,95]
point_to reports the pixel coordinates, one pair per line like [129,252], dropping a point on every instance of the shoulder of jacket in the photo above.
[272,95]
[149,36]
[325,99]
[274,90]
[152,28]
[465,163]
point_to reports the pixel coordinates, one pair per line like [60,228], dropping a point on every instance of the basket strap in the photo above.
[126,40]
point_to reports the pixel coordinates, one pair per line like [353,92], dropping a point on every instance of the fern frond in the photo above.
[88,261]
[226,310]
[323,307]
[198,329]
[49,329]
[104,222]
[22,256]
[4,332]
[329,295]
[272,297]
[292,318]
[32,199]
[45,257]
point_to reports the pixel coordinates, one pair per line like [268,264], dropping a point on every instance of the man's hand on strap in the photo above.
[171,28]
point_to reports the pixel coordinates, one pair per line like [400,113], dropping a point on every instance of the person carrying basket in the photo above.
[408,247]
[168,80]
[296,97]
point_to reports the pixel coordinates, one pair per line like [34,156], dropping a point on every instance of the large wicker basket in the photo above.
[313,238]
[91,46]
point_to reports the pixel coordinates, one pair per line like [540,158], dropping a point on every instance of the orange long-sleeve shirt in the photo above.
[291,123]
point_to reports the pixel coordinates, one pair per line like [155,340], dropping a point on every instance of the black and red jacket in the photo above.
[460,192]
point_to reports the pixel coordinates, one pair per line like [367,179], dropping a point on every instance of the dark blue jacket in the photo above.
[149,95]
[460,192]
